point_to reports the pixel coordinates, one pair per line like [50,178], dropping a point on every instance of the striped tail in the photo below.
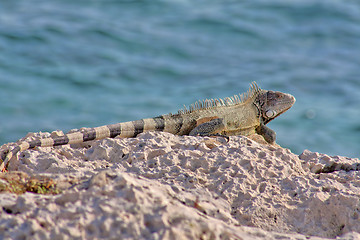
[125,130]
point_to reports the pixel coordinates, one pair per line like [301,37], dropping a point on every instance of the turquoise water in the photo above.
[70,64]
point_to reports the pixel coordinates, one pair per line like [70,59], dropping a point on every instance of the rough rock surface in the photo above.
[161,186]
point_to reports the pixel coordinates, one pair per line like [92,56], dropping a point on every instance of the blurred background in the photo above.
[70,64]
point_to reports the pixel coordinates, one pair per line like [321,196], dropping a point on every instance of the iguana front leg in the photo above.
[213,127]
[268,134]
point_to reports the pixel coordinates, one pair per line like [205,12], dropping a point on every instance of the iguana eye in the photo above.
[270,113]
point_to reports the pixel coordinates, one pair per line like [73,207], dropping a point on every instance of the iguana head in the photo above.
[271,104]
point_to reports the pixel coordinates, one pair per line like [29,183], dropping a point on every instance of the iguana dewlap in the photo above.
[243,114]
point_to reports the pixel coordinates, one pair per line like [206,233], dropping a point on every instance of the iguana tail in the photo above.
[125,129]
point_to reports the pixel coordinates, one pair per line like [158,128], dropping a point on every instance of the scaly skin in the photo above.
[244,115]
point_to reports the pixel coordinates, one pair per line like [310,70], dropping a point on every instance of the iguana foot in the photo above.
[220,135]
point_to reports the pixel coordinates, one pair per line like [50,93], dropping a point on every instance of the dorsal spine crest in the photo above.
[222,102]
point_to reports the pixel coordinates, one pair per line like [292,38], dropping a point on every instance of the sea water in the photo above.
[71,64]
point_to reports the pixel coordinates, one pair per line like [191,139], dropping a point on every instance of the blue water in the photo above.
[70,64]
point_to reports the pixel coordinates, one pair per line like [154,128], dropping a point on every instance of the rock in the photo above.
[161,186]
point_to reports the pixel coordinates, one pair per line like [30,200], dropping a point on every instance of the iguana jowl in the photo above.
[243,114]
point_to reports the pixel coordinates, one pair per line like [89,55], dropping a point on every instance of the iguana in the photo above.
[243,114]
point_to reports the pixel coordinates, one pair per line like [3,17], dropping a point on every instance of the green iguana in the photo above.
[243,114]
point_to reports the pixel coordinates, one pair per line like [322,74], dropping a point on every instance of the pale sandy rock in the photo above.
[161,186]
